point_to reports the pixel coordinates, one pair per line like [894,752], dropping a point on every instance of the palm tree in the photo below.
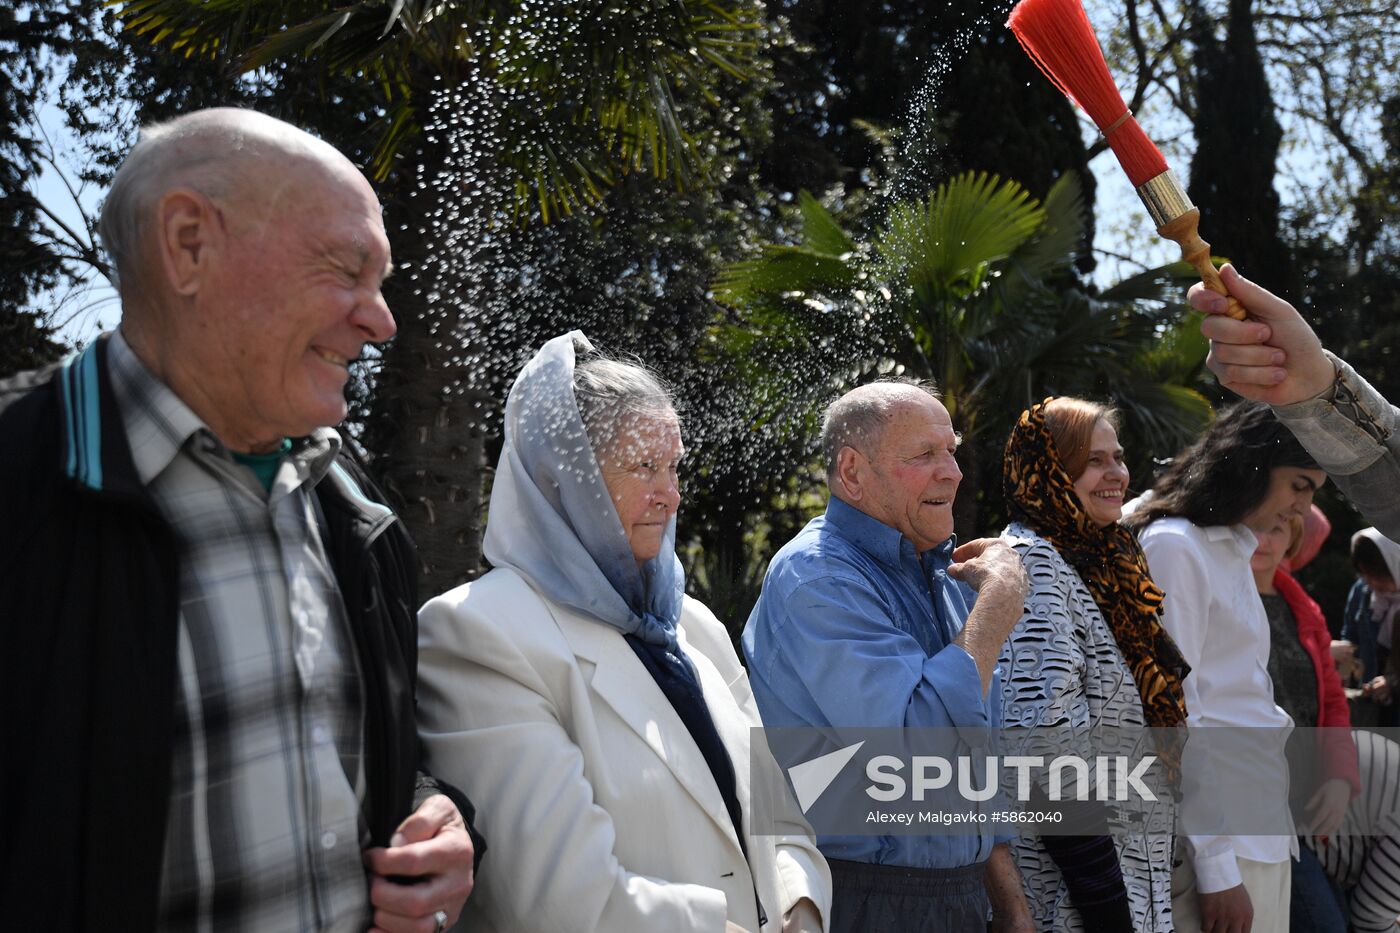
[969,287]
[591,90]
[493,113]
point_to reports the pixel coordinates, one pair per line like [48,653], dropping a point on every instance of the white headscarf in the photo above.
[552,520]
[1384,606]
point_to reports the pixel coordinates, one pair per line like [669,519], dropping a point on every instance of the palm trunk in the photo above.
[432,440]
[431,417]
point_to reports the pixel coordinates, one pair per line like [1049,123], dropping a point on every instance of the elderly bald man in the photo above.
[208,645]
[864,621]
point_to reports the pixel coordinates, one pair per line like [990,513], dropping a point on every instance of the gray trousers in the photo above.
[894,899]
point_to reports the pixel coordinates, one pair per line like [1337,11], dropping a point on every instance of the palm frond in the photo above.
[820,231]
[791,271]
[945,243]
[1165,416]
[1061,236]
[588,93]
[1161,284]
[1179,352]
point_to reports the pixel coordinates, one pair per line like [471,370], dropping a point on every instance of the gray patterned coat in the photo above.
[1061,668]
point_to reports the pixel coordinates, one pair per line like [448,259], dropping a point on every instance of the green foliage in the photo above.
[945,246]
[588,91]
[956,288]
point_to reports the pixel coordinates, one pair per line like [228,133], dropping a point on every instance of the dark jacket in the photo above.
[1361,629]
[89,606]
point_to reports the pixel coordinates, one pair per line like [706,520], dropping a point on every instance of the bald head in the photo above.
[251,258]
[240,156]
[892,453]
[858,418]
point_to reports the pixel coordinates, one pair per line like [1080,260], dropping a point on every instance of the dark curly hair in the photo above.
[1224,475]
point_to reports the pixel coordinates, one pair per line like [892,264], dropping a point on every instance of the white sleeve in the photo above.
[1178,567]
[489,726]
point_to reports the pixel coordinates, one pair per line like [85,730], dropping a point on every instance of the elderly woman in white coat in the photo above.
[598,716]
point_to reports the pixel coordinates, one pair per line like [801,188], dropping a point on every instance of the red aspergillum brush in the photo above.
[1060,40]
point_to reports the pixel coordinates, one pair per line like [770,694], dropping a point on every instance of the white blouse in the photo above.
[1213,611]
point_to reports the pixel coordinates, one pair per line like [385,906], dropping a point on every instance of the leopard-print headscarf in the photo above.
[1040,494]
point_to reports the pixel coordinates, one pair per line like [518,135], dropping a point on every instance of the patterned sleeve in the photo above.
[1043,686]
[1043,659]
[1355,436]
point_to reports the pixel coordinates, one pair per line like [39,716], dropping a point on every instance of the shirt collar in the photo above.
[882,542]
[159,425]
[157,422]
[1240,535]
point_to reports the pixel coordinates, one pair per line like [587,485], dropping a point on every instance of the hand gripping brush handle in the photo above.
[1060,40]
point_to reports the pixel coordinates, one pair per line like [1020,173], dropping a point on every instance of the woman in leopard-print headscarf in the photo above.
[1088,656]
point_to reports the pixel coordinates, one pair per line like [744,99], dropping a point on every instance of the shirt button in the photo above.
[320,736]
[328,841]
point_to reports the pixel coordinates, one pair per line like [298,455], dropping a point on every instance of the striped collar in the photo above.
[80,397]
[156,423]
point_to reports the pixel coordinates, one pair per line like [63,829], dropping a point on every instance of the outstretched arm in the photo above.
[1275,357]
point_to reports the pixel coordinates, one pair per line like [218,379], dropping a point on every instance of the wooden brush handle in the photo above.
[1196,251]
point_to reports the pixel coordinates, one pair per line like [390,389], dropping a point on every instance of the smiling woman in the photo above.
[1089,649]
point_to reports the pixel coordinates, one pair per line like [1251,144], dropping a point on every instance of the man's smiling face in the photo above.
[916,472]
[294,301]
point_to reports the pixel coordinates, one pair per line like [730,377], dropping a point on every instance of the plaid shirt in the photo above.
[265,829]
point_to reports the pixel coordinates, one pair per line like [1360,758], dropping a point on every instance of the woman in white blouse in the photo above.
[1245,472]
[1089,653]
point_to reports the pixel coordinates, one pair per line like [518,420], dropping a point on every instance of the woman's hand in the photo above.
[803,918]
[1328,807]
[1378,690]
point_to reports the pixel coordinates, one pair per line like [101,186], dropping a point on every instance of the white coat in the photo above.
[599,810]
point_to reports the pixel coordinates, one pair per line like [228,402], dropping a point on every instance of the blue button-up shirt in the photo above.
[855,628]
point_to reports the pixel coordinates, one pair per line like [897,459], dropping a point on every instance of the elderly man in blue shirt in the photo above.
[864,621]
